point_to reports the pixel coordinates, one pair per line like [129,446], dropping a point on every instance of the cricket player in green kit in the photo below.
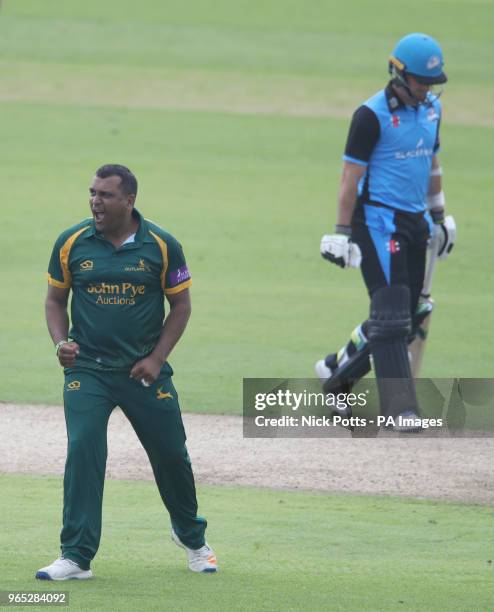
[120,267]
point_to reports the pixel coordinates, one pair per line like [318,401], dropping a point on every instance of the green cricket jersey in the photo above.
[117,307]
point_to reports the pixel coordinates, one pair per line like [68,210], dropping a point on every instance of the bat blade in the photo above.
[424,311]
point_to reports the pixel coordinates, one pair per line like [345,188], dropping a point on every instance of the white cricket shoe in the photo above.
[63,569]
[201,560]
[322,370]
[408,422]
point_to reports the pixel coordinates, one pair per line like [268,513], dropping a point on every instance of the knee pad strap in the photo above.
[390,314]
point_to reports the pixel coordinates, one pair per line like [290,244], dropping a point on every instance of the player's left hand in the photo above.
[147,370]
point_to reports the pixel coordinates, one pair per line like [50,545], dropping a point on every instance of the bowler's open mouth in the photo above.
[98,216]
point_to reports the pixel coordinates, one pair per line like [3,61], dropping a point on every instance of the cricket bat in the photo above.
[425,307]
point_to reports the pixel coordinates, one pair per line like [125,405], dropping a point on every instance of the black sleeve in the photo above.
[437,144]
[363,134]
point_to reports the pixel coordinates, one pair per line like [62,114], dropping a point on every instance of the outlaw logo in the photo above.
[142,266]
[75,385]
[87,265]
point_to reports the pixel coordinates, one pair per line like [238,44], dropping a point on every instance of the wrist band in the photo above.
[437,200]
[59,344]
[346,230]
[437,171]
[437,215]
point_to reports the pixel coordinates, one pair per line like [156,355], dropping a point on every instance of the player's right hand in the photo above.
[67,354]
[147,370]
[446,236]
[340,250]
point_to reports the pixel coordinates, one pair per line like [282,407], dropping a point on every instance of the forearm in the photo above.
[173,328]
[347,198]
[435,185]
[338,247]
[435,196]
[57,320]
[346,205]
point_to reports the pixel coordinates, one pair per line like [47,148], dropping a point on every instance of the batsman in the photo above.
[391,206]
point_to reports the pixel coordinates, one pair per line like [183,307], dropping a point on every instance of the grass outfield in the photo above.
[234,117]
[288,551]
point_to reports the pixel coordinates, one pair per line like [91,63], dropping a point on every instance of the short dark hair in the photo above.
[129,181]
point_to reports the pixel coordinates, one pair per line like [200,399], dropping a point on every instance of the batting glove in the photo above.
[446,236]
[340,250]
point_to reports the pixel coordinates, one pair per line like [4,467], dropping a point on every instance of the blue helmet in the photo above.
[420,56]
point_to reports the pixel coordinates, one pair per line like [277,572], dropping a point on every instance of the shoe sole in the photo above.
[208,570]
[82,576]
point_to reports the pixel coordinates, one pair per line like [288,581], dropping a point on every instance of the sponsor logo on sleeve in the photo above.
[75,385]
[87,265]
[179,276]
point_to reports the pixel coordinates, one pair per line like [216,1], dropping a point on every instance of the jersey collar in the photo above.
[142,232]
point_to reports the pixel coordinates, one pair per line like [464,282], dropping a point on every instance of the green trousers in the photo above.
[154,413]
